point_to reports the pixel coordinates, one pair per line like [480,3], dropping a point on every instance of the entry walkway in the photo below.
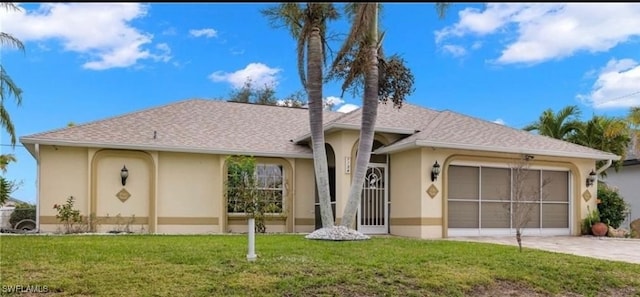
[615,249]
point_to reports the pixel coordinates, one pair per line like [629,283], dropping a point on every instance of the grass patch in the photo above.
[290,265]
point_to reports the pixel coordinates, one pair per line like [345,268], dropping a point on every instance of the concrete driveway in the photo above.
[615,249]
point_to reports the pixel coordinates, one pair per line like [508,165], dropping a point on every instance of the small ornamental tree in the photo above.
[243,193]
[68,216]
[523,196]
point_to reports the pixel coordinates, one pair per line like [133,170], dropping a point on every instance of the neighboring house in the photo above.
[627,180]
[6,210]
[175,157]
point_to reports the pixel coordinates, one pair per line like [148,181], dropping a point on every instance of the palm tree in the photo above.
[5,159]
[6,186]
[360,62]
[634,122]
[634,117]
[609,134]
[558,126]
[8,88]
[307,25]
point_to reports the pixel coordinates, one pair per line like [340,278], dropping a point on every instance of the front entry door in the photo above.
[373,214]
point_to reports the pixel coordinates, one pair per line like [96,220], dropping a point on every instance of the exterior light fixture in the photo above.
[591,178]
[435,171]
[124,173]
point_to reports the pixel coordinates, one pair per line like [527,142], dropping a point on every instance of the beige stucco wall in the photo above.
[405,195]
[304,202]
[184,193]
[169,192]
[63,173]
[190,193]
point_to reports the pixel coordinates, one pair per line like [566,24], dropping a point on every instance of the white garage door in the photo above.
[483,201]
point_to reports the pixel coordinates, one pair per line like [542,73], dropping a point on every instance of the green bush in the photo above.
[612,207]
[22,211]
[592,217]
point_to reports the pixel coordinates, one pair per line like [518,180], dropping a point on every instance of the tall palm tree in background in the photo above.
[307,25]
[8,87]
[360,62]
[634,122]
[558,126]
[609,134]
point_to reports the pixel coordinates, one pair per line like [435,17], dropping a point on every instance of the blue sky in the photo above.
[500,62]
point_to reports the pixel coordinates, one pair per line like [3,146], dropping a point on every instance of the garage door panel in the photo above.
[464,182]
[556,186]
[495,215]
[528,212]
[496,183]
[463,214]
[555,215]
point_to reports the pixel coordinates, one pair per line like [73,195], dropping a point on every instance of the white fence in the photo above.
[5,215]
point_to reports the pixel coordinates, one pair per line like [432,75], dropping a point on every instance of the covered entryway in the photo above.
[373,214]
[481,200]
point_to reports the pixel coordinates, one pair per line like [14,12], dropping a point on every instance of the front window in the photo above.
[269,185]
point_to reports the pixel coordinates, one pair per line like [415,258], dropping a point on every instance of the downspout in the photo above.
[604,167]
[600,170]
[37,148]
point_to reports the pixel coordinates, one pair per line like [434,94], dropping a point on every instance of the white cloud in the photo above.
[542,32]
[333,100]
[171,31]
[617,86]
[499,121]
[259,74]
[454,50]
[165,53]
[101,31]
[348,108]
[206,32]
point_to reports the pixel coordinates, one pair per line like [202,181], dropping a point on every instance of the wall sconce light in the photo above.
[435,171]
[124,173]
[591,178]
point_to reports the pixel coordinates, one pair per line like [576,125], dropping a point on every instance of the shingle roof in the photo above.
[195,125]
[210,126]
[448,129]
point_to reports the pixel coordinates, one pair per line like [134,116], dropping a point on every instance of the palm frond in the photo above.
[441,9]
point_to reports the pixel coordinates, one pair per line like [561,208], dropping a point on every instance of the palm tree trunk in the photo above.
[369,114]
[314,90]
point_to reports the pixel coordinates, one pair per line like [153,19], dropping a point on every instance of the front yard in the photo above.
[290,265]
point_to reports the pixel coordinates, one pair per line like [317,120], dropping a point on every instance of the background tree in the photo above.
[559,125]
[8,88]
[249,93]
[634,123]
[307,25]
[6,186]
[609,134]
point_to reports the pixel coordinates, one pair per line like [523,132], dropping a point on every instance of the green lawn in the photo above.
[290,265]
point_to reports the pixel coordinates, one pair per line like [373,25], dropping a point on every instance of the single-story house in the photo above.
[175,159]
[626,180]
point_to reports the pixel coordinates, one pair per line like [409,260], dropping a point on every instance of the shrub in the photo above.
[592,217]
[612,207]
[22,211]
[68,216]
